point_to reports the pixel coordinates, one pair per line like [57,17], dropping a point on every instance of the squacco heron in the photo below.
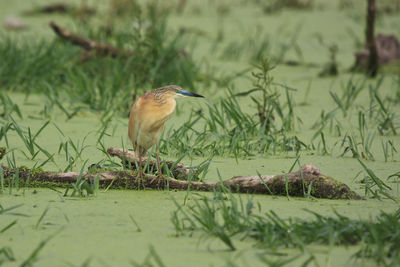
[148,116]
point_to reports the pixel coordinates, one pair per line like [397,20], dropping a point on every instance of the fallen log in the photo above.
[291,184]
[298,182]
[90,47]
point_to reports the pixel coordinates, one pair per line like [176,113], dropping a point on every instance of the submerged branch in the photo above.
[306,180]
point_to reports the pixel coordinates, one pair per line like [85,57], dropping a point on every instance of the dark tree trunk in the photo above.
[373,60]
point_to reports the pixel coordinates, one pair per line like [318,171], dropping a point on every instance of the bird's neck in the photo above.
[167,107]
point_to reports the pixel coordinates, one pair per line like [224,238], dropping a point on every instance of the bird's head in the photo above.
[175,92]
[183,93]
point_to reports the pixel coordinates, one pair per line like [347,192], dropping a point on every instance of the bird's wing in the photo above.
[146,121]
[142,124]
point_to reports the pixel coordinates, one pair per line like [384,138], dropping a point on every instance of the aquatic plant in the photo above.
[358,149]
[388,149]
[29,140]
[231,219]
[226,129]
[385,116]
[350,92]
[3,133]
[83,187]
[331,67]
[4,211]
[321,147]
[8,107]
[327,119]
[33,257]
[41,217]
[151,259]
[374,185]
[6,253]
[366,139]
[359,145]
[75,147]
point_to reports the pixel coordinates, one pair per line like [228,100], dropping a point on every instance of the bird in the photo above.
[148,116]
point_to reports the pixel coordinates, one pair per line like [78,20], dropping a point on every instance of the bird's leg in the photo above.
[158,177]
[159,174]
[140,167]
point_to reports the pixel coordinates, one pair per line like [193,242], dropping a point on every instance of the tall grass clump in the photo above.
[83,187]
[231,219]
[29,66]
[375,186]
[58,69]
[8,107]
[350,92]
[270,105]
[152,259]
[359,144]
[382,112]
[378,117]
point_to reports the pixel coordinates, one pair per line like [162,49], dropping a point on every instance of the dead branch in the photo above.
[90,46]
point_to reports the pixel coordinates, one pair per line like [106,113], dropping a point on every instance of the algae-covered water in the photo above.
[100,230]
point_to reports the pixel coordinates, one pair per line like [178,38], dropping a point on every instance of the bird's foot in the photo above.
[159,178]
[140,180]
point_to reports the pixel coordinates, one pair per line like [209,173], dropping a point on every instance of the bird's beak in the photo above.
[186,93]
